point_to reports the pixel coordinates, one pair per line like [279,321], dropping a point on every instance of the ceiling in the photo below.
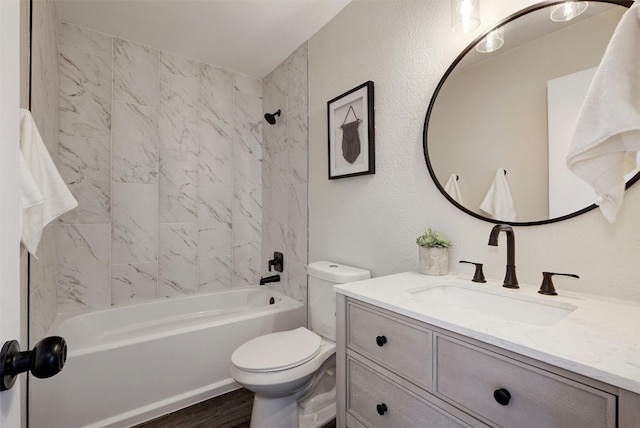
[246,36]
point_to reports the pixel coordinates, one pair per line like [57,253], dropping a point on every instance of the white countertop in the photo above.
[599,339]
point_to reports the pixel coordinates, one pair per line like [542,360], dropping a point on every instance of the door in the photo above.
[10,406]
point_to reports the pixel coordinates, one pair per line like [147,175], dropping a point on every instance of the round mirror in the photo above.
[501,119]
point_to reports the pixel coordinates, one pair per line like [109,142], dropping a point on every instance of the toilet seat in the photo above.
[277,351]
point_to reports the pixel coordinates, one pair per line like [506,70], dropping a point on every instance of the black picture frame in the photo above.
[351,147]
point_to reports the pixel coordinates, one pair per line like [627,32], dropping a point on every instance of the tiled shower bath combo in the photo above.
[183,189]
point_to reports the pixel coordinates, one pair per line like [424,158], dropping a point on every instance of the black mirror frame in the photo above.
[525,11]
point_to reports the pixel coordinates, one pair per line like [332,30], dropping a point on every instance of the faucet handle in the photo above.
[478,276]
[547,283]
[277,262]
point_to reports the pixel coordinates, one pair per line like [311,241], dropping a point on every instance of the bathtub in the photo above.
[129,364]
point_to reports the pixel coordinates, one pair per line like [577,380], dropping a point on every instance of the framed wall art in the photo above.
[351,133]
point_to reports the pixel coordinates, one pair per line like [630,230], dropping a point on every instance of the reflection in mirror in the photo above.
[514,108]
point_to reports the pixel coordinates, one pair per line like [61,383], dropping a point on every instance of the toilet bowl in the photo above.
[279,386]
[292,373]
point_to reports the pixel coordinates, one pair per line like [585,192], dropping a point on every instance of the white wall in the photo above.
[372,221]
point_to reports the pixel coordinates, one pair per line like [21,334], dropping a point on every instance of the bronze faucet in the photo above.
[510,279]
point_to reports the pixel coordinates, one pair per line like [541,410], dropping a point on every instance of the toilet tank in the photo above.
[323,276]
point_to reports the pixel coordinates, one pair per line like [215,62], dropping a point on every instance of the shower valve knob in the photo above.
[277,262]
[45,360]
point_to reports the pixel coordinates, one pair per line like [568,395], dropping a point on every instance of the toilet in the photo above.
[292,373]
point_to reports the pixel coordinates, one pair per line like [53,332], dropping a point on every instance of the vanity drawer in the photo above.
[393,343]
[370,394]
[469,376]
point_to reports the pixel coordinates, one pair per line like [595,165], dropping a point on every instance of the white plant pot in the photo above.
[434,261]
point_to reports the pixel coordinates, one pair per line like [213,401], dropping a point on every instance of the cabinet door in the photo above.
[392,342]
[378,402]
[525,397]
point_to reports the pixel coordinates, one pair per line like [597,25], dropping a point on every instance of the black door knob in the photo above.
[502,396]
[381,409]
[45,360]
[381,340]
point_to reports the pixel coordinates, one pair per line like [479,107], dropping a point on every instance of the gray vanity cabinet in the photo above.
[469,375]
[396,372]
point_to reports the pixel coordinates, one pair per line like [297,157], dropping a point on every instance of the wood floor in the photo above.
[232,410]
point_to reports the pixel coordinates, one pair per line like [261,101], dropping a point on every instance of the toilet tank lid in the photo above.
[336,272]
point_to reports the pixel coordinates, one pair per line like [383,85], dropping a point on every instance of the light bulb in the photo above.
[568,10]
[491,42]
[465,15]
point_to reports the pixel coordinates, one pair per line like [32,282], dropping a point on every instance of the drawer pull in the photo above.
[381,340]
[382,409]
[502,396]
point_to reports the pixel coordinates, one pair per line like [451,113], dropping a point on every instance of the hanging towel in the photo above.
[30,194]
[452,188]
[607,133]
[498,202]
[56,197]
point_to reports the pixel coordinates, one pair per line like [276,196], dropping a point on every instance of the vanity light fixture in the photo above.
[491,42]
[568,10]
[465,15]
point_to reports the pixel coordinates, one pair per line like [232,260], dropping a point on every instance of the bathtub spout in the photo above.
[272,278]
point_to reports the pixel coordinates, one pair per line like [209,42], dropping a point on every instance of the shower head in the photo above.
[271,117]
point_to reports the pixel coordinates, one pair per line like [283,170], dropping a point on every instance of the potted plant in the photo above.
[433,253]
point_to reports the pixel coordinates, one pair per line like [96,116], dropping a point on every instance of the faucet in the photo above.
[268,279]
[510,279]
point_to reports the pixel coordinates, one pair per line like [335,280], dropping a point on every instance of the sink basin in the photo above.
[493,304]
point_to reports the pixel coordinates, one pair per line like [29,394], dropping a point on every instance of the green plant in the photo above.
[431,239]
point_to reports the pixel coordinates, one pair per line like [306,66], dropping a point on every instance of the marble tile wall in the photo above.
[164,155]
[44,107]
[246,206]
[84,234]
[284,173]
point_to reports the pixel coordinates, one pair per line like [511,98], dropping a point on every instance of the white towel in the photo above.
[607,133]
[498,202]
[57,199]
[30,194]
[452,188]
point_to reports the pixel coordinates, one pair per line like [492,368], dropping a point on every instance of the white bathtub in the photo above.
[133,363]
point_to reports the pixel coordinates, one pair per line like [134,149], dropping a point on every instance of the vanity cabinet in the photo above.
[511,394]
[405,336]
[380,401]
[397,372]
